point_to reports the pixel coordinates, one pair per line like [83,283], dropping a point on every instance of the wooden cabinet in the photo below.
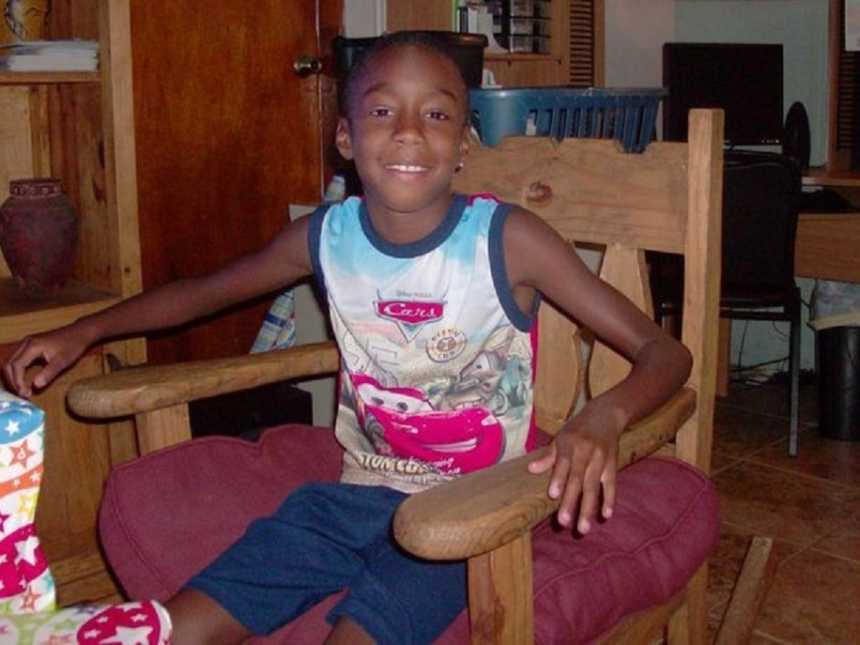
[576,56]
[78,127]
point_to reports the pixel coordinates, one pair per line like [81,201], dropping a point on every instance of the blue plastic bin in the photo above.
[627,114]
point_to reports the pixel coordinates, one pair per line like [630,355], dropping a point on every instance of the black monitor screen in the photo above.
[744,80]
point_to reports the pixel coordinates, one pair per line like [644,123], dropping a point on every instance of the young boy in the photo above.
[432,298]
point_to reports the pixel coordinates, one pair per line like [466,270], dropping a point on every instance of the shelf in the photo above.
[22,315]
[522,57]
[47,78]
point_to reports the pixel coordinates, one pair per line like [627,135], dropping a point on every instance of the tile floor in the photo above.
[810,505]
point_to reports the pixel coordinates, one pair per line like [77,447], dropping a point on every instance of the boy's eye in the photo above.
[380,111]
[438,115]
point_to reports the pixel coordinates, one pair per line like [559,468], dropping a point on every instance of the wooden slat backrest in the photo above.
[665,199]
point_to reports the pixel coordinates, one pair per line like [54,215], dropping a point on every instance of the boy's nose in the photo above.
[409,128]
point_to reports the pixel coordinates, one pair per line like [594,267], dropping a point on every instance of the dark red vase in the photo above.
[38,234]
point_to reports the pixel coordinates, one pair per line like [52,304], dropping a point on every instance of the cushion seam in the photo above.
[659,538]
[135,545]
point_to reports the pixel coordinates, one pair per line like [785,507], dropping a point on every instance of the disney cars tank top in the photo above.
[438,361]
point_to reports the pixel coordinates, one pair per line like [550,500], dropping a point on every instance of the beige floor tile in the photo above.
[845,542]
[772,400]
[837,461]
[721,461]
[760,638]
[740,433]
[813,599]
[776,503]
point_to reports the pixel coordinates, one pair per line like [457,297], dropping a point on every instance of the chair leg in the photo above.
[724,356]
[501,602]
[794,383]
[689,623]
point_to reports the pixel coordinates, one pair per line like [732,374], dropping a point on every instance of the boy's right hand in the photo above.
[55,350]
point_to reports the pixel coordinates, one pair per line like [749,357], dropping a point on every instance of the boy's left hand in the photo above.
[584,458]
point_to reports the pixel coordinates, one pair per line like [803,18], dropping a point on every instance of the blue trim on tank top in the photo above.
[414,249]
[314,238]
[499,271]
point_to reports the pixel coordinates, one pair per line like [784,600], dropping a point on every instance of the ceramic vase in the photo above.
[38,234]
[22,20]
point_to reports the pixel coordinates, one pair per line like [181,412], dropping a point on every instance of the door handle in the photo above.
[307,65]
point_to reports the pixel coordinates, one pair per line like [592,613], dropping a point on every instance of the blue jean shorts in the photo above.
[326,537]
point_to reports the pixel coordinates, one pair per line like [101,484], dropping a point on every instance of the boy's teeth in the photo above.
[405,168]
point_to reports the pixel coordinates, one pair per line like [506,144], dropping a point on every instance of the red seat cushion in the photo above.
[165,516]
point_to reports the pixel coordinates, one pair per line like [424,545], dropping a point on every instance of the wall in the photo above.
[363,18]
[635,33]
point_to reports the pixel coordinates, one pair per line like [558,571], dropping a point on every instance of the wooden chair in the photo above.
[666,199]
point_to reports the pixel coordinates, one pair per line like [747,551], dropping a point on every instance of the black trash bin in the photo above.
[839,383]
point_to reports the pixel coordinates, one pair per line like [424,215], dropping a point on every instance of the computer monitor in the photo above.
[745,80]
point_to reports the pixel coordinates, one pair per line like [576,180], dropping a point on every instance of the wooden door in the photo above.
[228,135]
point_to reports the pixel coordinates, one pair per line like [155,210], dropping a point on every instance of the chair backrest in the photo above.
[666,199]
[761,199]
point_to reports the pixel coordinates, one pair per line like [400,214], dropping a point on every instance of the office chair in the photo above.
[761,199]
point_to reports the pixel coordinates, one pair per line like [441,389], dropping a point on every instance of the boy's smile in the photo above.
[406,133]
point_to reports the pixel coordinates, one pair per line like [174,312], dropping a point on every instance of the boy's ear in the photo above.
[343,138]
[465,141]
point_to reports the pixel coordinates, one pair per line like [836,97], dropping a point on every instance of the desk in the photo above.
[820,176]
[828,246]
[827,243]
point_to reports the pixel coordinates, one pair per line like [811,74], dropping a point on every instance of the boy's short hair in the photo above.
[424,39]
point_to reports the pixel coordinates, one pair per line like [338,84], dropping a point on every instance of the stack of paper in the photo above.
[50,56]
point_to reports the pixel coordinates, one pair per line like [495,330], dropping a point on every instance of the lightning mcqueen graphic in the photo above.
[400,422]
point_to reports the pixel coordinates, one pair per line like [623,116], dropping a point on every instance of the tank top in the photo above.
[437,359]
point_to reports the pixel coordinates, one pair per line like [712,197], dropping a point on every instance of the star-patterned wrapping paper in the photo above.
[26,585]
[27,593]
[131,623]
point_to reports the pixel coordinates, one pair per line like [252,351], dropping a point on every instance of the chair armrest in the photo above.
[484,510]
[148,388]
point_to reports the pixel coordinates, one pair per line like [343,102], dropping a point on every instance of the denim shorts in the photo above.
[326,537]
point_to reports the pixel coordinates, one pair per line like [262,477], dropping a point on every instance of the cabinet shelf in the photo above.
[21,314]
[521,57]
[47,78]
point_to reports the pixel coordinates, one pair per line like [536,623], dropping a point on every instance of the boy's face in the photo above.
[406,131]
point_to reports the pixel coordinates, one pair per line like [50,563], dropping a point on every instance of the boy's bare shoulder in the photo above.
[524,229]
[536,255]
[291,246]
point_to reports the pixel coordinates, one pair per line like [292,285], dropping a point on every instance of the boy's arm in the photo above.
[283,261]
[583,455]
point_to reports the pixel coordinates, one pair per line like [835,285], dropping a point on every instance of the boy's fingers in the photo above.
[544,463]
[574,483]
[24,344]
[568,500]
[590,497]
[45,375]
[608,481]
[559,477]
[24,355]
